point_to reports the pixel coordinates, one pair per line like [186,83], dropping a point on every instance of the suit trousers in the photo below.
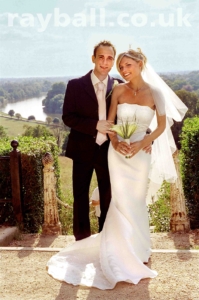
[82,174]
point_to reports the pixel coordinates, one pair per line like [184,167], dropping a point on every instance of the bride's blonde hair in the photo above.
[133,54]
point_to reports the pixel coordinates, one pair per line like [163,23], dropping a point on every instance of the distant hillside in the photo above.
[17,89]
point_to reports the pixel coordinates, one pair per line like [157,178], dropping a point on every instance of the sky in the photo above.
[50,38]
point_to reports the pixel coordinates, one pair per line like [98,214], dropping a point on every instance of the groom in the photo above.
[86,105]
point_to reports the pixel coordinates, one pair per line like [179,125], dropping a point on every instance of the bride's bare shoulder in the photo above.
[119,88]
[120,85]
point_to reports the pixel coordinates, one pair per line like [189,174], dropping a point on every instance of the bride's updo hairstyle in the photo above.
[135,55]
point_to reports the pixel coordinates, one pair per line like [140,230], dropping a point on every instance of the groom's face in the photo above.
[103,61]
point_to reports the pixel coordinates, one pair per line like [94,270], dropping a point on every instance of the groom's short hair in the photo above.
[103,43]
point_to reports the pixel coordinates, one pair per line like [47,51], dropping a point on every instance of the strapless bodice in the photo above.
[143,116]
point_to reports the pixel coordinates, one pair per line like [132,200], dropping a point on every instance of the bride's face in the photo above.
[129,68]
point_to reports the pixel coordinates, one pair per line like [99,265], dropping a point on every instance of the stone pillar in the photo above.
[179,220]
[51,218]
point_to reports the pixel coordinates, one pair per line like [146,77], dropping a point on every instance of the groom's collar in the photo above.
[96,80]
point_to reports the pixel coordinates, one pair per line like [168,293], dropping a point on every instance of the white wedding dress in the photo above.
[117,253]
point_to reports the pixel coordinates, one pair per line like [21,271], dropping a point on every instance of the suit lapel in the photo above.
[110,86]
[89,86]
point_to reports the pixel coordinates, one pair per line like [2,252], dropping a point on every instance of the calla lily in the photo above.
[131,129]
[118,129]
[125,130]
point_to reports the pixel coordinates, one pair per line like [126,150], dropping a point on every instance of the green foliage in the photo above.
[55,97]
[2,92]
[31,118]
[3,101]
[15,90]
[37,131]
[186,81]
[56,120]
[11,112]
[191,100]
[18,116]
[190,168]
[48,120]
[65,142]
[32,151]
[159,211]
[3,133]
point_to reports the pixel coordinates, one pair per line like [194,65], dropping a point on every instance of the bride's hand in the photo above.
[121,147]
[135,148]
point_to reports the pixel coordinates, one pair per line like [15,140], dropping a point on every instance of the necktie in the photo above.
[101,137]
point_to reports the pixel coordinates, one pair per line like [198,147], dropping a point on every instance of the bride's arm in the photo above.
[121,147]
[148,139]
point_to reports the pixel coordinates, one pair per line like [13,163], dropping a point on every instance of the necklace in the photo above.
[136,91]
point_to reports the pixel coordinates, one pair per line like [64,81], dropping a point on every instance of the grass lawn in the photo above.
[66,214]
[14,127]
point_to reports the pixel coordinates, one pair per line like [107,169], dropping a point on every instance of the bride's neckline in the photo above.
[137,105]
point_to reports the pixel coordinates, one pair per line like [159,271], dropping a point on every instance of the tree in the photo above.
[191,100]
[22,89]
[37,131]
[48,120]
[188,87]
[31,118]
[55,97]
[56,121]
[11,112]
[2,101]
[2,92]
[18,116]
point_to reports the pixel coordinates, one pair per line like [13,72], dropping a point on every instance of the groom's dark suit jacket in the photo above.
[80,113]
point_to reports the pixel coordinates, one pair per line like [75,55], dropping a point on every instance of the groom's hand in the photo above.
[148,149]
[103,126]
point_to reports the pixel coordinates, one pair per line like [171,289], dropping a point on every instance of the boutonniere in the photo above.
[115,82]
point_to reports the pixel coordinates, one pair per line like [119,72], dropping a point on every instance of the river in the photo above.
[32,106]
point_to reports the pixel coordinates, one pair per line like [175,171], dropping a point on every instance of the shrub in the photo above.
[18,116]
[37,131]
[56,121]
[3,133]
[189,157]
[159,211]
[48,120]
[11,112]
[31,118]
[32,151]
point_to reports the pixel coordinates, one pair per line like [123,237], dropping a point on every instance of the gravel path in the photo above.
[23,274]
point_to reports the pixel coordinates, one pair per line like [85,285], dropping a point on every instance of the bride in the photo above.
[122,249]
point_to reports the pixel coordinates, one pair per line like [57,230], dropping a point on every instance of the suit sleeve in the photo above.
[72,116]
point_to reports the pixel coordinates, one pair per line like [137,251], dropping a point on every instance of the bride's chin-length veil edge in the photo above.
[167,102]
